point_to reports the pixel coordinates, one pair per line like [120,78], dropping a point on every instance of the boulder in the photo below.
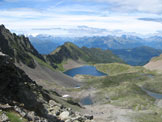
[31,116]
[68,120]
[21,112]
[3,117]
[90,117]
[52,103]
[55,110]
[64,115]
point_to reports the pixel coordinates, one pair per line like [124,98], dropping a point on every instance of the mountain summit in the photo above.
[17,47]
[69,52]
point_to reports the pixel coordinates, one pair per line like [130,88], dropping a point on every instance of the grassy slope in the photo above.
[13,116]
[154,116]
[97,55]
[116,68]
[157,58]
[88,55]
[155,83]
[122,87]
[41,62]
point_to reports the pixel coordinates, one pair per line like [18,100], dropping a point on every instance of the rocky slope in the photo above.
[155,64]
[26,57]
[23,100]
[17,47]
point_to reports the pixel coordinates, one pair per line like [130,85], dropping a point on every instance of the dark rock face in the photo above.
[15,85]
[20,94]
[17,47]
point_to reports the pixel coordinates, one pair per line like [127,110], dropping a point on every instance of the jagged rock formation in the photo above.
[17,47]
[29,60]
[15,85]
[20,94]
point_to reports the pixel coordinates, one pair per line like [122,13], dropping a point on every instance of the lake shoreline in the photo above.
[84,70]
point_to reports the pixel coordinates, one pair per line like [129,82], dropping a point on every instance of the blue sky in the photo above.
[82,17]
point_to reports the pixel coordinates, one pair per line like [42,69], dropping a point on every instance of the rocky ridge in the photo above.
[29,101]
[17,47]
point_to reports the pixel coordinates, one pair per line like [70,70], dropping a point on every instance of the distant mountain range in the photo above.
[132,49]
[46,44]
[137,56]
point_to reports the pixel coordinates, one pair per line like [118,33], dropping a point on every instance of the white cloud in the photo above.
[25,19]
[152,6]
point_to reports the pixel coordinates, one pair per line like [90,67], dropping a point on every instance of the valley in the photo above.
[76,84]
[119,96]
[81,61]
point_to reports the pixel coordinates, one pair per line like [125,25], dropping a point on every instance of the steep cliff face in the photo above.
[17,47]
[15,85]
[21,99]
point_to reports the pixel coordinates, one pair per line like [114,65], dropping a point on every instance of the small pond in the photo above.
[86,101]
[152,94]
[84,70]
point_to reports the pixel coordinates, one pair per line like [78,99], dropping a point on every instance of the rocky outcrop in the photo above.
[4,118]
[66,114]
[55,113]
[20,94]
[155,64]
[17,47]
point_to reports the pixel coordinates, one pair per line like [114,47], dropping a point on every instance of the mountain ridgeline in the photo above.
[17,47]
[27,58]
[69,51]
[133,50]
[22,51]
[23,100]
[103,42]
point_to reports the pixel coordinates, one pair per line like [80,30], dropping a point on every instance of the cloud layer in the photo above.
[83,17]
